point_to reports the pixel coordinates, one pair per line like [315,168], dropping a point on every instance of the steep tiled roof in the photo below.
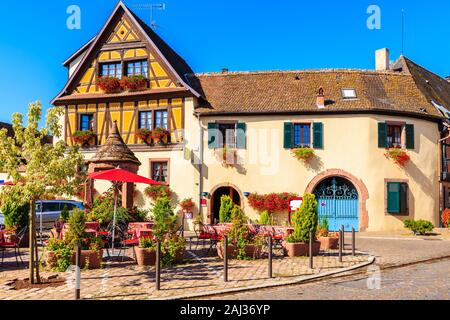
[295,92]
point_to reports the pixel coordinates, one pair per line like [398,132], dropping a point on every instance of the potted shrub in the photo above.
[158,191]
[226,208]
[92,247]
[146,252]
[164,217]
[419,227]
[145,135]
[398,155]
[16,218]
[58,255]
[303,154]
[109,84]
[265,218]
[160,136]
[173,249]
[305,220]
[84,138]
[134,83]
[328,240]
[446,218]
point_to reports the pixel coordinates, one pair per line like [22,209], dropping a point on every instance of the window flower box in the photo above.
[84,138]
[109,84]
[145,135]
[303,154]
[399,156]
[158,191]
[160,136]
[134,83]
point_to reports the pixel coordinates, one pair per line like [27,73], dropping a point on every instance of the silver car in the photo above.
[50,211]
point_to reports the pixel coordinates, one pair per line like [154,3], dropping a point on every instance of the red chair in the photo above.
[14,244]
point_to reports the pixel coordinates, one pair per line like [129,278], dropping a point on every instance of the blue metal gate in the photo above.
[338,202]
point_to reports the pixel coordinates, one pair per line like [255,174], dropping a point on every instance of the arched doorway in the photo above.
[215,200]
[338,202]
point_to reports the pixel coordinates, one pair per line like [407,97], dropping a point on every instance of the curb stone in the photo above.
[370,260]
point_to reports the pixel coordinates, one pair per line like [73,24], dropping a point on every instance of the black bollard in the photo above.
[158,265]
[225,259]
[78,273]
[311,262]
[270,257]
[343,237]
[340,245]
[353,242]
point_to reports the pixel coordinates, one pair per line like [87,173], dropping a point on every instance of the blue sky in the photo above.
[239,35]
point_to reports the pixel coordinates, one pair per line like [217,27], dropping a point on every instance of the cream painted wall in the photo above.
[350,144]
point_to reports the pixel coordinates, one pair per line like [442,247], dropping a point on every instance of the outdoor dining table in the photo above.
[144,233]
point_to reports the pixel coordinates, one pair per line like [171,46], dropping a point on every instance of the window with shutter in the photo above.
[409,128]
[382,135]
[397,198]
[288,135]
[318,135]
[241,135]
[213,135]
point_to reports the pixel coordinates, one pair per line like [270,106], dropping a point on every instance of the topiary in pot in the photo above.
[305,220]
[265,218]
[164,218]
[328,240]
[146,252]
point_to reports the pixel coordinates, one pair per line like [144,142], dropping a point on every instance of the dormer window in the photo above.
[111,70]
[137,68]
[349,93]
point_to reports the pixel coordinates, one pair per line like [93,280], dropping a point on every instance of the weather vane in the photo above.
[151,7]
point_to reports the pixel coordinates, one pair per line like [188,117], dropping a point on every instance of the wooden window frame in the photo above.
[101,64]
[153,111]
[152,161]
[408,198]
[80,115]
[126,63]
[402,134]
[228,122]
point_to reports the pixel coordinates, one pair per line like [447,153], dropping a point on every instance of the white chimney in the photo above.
[382,59]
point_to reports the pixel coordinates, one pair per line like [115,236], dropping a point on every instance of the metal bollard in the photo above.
[353,242]
[311,263]
[343,237]
[340,245]
[225,259]
[78,273]
[270,257]
[158,265]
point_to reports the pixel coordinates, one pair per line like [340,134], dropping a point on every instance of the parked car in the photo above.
[50,210]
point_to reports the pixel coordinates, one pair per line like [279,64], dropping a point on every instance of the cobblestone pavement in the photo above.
[117,280]
[422,281]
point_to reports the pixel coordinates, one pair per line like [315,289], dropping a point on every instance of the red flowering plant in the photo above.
[160,135]
[145,135]
[446,218]
[158,191]
[134,83]
[109,84]
[399,156]
[83,138]
[187,205]
[273,202]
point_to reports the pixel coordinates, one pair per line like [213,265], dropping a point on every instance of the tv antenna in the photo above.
[403,31]
[151,7]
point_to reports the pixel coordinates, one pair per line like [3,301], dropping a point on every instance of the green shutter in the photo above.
[409,136]
[393,197]
[213,135]
[382,135]
[241,135]
[318,135]
[288,135]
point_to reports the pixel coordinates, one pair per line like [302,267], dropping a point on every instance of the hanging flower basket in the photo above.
[109,84]
[84,138]
[187,205]
[134,83]
[158,191]
[160,135]
[145,135]
[303,154]
[399,156]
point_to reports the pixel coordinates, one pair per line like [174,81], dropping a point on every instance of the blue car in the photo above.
[50,211]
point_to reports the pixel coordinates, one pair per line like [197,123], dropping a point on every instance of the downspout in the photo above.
[200,165]
[443,162]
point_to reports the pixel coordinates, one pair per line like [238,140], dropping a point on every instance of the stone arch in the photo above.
[211,195]
[359,185]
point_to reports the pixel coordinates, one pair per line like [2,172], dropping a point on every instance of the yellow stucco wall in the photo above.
[350,144]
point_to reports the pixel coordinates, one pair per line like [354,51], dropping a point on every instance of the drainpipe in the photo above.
[200,165]
[443,162]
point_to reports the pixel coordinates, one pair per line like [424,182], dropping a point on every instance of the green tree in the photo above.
[16,216]
[65,214]
[49,169]
[265,218]
[164,217]
[239,232]
[226,206]
[305,220]
[77,228]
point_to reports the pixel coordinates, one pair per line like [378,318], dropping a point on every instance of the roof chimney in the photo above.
[447,78]
[382,59]
[224,70]
[320,100]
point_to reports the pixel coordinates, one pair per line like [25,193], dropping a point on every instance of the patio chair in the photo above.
[15,244]
[200,234]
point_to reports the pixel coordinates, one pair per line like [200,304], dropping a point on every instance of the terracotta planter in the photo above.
[300,249]
[327,243]
[94,258]
[253,251]
[180,256]
[145,257]
[221,251]
[51,259]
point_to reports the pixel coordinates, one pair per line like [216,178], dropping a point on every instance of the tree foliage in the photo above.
[226,206]
[305,220]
